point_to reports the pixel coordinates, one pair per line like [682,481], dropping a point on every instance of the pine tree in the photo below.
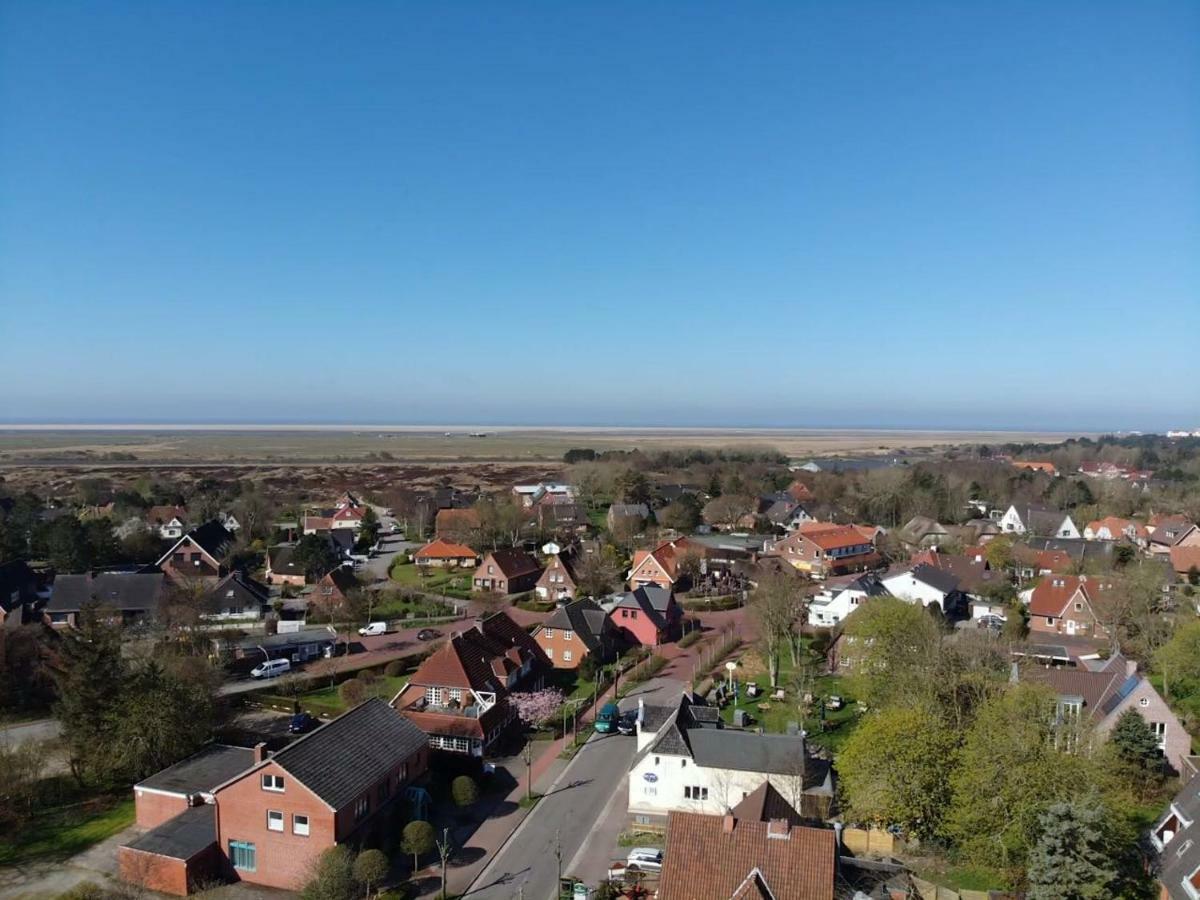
[1073,859]
[1135,741]
[91,683]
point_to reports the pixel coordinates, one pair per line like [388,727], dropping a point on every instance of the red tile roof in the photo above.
[1051,597]
[464,519]
[833,537]
[728,856]
[440,549]
[1183,559]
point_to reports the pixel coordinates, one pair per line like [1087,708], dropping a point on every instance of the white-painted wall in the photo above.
[663,791]
[913,590]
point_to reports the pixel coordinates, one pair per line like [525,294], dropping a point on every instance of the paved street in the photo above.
[41,730]
[528,865]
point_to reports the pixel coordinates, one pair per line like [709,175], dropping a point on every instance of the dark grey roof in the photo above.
[654,717]
[203,771]
[340,539]
[1078,549]
[938,579]
[213,537]
[18,585]
[1180,858]
[281,560]
[192,831]
[585,618]
[630,510]
[651,599]
[246,592]
[288,639]
[1042,519]
[345,757]
[745,751]
[131,591]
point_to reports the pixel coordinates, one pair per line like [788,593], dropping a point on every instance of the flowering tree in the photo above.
[535,708]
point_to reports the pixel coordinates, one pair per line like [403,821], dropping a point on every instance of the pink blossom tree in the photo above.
[536,708]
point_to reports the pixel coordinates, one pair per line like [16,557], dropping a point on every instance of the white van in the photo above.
[646,858]
[271,668]
[373,628]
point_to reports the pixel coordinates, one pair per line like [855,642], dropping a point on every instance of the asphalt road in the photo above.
[527,867]
[41,730]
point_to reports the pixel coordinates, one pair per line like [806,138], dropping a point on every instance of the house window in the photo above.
[434,695]
[1144,702]
[362,806]
[650,791]
[568,635]
[385,791]
[274,820]
[456,694]
[300,825]
[1160,732]
[633,614]
[272,783]
[241,854]
[567,656]
[1078,607]
[695,792]
[548,632]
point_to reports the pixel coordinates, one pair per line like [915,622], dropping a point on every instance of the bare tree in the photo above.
[775,606]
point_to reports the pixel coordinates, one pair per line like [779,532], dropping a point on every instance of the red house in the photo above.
[647,615]
[265,819]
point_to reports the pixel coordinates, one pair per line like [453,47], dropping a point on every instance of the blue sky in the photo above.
[870,214]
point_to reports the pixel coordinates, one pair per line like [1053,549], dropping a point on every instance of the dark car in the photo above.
[627,724]
[428,634]
[302,723]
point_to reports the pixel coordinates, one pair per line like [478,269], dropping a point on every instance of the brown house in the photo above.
[746,859]
[459,695]
[576,630]
[445,554]
[508,571]
[1064,604]
[333,591]
[199,554]
[268,822]
[557,581]
[822,549]
[282,567]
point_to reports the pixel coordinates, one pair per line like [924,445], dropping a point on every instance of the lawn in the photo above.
[58,833]
[829,731]
[962,878]
[431,579]
[327,702]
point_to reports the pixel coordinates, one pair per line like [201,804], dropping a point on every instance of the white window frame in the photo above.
[299,827]
[273,783]
[275,820]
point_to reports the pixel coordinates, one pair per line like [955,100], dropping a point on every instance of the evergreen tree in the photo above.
[91,683]
[1135,741]
[1073,859]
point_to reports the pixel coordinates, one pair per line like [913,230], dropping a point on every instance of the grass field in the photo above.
[451,582]
[246,444]
[58,833]
[326,701]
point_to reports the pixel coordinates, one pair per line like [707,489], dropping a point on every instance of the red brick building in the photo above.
[459,695]
[822,549]
[198,554]
[270,821]
[647,615]
[1064,604]
[576,630]
[507,571]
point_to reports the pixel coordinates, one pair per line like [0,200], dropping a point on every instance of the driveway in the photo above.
[26,732]
[50,879]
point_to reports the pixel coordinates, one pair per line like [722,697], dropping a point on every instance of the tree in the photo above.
[999,553]
[597,573]
[775,607]
[892,647]
[332,876]
[682,515]
[370,868]
[91,682]
[536,708]
[632,486]
[1008,774]
[895,769]
[464,790]
[1136,747]
[1073,858]
[1179,661]
[352,691]
[728,509]
[369,530]
[416,839]
[314,554]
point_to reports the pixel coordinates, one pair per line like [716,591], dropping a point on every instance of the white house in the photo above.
[923,584]
[842,595]
[692,763]
[1038,520]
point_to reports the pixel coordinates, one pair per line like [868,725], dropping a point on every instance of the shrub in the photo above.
[394,669]
[464,790]
[332,877]
[370,868]
[417,838]
[352,691]
[690,638]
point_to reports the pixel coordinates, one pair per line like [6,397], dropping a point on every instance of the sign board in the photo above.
[650,777]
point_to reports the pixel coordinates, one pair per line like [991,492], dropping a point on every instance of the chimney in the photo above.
[1130,667]
[727,824]
[778,829]
[479,624]
[260,751]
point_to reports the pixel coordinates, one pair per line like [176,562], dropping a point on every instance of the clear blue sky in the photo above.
[894,214]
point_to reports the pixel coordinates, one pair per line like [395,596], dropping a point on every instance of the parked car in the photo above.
[991,621]
[606,721]
[302,723]
[272,668]
[428,634]
[647,858]
[373,628]
[627,724]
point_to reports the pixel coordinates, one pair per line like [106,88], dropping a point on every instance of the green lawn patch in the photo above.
[325,701]
[964,878]
[60,832]
[453,582]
